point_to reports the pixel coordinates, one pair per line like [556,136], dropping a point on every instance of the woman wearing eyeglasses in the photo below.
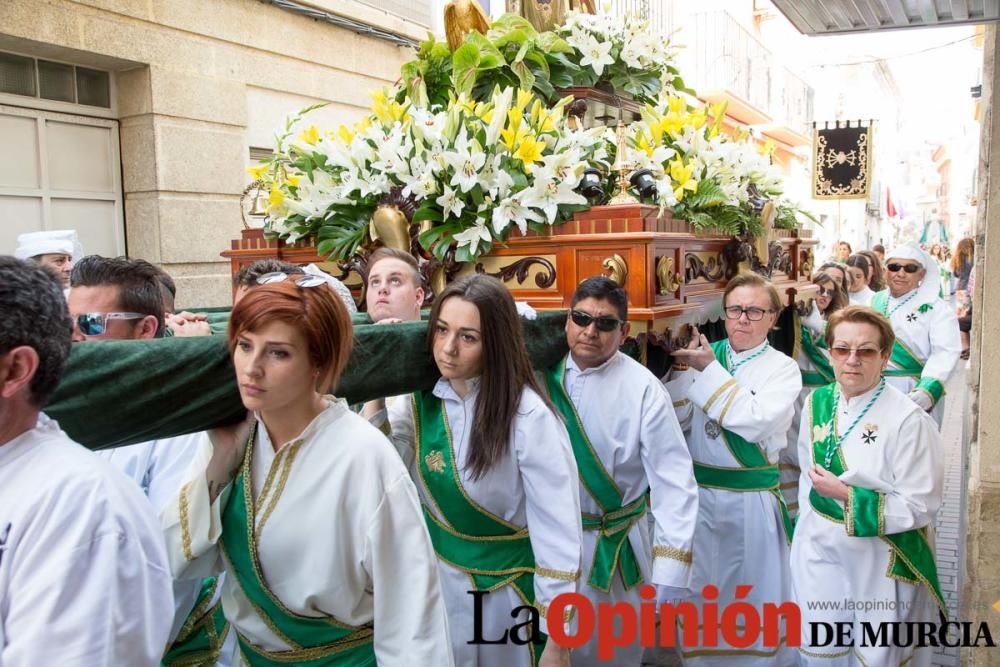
[736,403]
[858,271]
[496,475]
[927,343]
[306,505]
[814,364]
[871,488]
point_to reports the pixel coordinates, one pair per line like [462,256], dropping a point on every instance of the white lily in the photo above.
[512,210]
[546,196]
[473,236]
[596,55]
[450,203]
[467,159]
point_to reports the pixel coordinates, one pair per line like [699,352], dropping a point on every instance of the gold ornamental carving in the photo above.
[668,280]
[616,269]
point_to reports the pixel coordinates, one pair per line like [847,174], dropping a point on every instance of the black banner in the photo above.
[842,162]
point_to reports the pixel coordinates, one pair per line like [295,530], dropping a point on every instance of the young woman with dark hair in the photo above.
[496,474]
[859,269]
[305,505]
[876,277]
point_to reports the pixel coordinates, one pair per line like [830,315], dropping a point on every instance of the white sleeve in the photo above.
[99,602]
[918,476]
[192,523]
[946,343]
[673,492]
[402,433]
[805,445]
[677,384]
[172,458]
[552,489]
[411,625]
[753,415]
[814,321]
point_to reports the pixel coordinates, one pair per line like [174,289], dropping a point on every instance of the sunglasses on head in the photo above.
[95,324]
[909,268]
[604,323]
[862,353]
[304,280]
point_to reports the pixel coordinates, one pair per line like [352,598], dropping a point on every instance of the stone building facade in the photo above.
[194,89]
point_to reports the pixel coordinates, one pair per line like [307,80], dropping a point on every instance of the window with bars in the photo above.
[49,80]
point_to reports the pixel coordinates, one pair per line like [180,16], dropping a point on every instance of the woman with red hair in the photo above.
[306,506]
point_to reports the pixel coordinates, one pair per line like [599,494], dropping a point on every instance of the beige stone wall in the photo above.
[981,587]
[213,78]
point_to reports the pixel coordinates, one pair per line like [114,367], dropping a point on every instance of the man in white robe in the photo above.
[928,343]
[626,416]
[84,577]
[736,404]
[57,248]
[111,285]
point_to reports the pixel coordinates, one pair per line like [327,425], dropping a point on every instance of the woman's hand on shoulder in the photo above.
[228,444]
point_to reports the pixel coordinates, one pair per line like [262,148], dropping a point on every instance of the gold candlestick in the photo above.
[622,167]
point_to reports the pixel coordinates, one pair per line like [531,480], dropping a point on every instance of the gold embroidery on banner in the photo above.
[562,575]
[435,461]
[666,551]
[185,528]
[718,392]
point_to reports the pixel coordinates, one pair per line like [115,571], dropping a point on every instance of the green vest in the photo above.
[613,551]
[200,639]
[904,362]
[822,372]
[493,552]
[316,641]
[912,558]
[755,473]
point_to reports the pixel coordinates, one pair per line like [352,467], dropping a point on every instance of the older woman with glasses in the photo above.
[927,343]
[735,399]
[871,488]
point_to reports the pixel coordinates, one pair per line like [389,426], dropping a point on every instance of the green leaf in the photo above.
[489,55]
[464,63]
[463,254]
[550,42]
[428,211]
[525,76]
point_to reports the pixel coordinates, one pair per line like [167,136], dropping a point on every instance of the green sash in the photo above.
[316,641]
[755,473]
[493,552]
[904,362]
[612,551]
[200,639]
[912,559]
[823,371]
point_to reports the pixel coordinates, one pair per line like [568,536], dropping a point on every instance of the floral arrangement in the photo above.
[600,50]
[473,170]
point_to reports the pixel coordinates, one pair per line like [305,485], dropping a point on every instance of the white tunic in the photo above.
[340,533]
[159,468]
[629,420]
[739,539]
[862,297]
[84,579]
[931,335]
[896,449]
[535,486]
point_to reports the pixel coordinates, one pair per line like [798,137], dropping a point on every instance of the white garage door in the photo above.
[60,171]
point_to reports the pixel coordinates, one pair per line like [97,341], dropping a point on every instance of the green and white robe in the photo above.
[874,548]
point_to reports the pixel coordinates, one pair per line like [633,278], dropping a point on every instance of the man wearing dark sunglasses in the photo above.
[927,338]
[623,431]
[115,298]
[84,577]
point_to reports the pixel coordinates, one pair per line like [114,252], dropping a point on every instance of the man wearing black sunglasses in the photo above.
[115,298]
[626,441]
[927,338]
[84,577]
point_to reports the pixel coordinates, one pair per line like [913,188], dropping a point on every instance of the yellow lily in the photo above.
[642,142]
[681,174]
[310,136]
[767,148]
[529,152]
[465,104]
[380,105]
[292,179]
[523,97]
[258,172]
[275,198]
[345,134]
[676,104]
[513,136]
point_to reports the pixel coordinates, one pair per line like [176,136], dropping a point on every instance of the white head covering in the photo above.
[340,288]
[930,288]
[55,242]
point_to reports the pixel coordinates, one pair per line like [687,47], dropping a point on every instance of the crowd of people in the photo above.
[436,528]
